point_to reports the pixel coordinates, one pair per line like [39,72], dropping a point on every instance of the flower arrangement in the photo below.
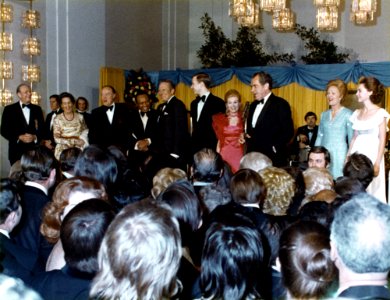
[138,81]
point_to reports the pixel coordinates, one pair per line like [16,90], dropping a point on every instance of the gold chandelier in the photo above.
[245,12]
[6,44]
[283,19]
[31,46]
[271,5]
[362,11]
[327,14]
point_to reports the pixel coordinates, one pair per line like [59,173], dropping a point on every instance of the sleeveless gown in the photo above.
[367,143]
[228,136]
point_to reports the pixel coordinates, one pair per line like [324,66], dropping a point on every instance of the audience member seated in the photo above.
[164,178]
[140,254]
[360,248]
[82,232]
[39,170]
[325,195]
[67,195]
[232,261]
[316,180]
[317,211]
[212,196]
[255,161]
[318,157]
[68,159]
[207,169]
[15,260]
[360,167]
[97,164]
[347,187]
[280,191]
[185,206]
[307,269]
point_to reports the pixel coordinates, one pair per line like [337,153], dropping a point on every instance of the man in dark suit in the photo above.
[39,170]
[202,110]
[22,124]
[172,127]
[269,126]
[110,123]
[16,261]
[143,136]
[55,107]
[305,137]
[359,242]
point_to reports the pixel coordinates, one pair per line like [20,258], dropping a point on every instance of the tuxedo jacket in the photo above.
[138,132]
[203,135]
[27,233]
[49,131]
[13,124]
[104,134]
[16,260]
[173,135]
[273,129]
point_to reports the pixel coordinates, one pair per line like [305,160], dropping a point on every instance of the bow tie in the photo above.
[144,113]
[26,105]
[109,107]
[260,102]
[56,112]
[203,98]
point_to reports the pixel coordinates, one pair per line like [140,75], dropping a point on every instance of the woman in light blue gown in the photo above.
[335,129]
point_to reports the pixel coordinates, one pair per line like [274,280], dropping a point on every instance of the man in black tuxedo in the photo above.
[22,124]
[110,123]
[143,131]
[202,110]
[269,126]
[55,107]
[305,137]
[39,169]
[16,261]
[172,127]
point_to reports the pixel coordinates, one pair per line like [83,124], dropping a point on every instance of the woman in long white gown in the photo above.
[370,126]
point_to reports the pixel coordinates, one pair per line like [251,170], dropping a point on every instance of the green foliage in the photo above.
[246,50]
[319,51]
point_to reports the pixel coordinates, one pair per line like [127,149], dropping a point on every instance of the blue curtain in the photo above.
[311,76]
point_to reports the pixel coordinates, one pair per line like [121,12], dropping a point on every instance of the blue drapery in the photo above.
[311,76]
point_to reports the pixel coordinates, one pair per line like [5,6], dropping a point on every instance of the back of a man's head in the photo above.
[208,166]
[255,161]
[360,233]
[38,163]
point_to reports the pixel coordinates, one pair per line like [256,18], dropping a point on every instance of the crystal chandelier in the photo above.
[31,46]
[271,5]
[245,12]
[327,18]
[6,44]
[283,20]
[362,11]
[327,3]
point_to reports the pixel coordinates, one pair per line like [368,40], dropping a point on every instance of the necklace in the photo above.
[69,119]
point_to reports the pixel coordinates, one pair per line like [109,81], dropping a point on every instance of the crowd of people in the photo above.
[143,204]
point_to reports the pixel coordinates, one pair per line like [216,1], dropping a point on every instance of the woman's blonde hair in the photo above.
[164,178]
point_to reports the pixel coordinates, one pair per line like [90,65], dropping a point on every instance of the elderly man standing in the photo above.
[360,248]
[22,124]
[269,127]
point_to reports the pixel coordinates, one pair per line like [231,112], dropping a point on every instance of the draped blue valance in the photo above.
[311,76]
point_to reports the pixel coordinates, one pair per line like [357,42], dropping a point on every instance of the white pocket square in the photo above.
[165,113]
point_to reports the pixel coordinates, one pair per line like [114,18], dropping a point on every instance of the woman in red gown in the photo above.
[229,129]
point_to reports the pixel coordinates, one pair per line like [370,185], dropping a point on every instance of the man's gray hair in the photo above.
[255,161]
[361,234]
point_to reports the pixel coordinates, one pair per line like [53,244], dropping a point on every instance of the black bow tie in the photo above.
[109,107]
[144,113]
[56,112]
[260,102]
[26,105]
[203,98]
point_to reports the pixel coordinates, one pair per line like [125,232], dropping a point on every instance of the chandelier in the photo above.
[283,20]
[6,44]
[362,11]
[245,12]
[31,46]
[271,5]
[327,14]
